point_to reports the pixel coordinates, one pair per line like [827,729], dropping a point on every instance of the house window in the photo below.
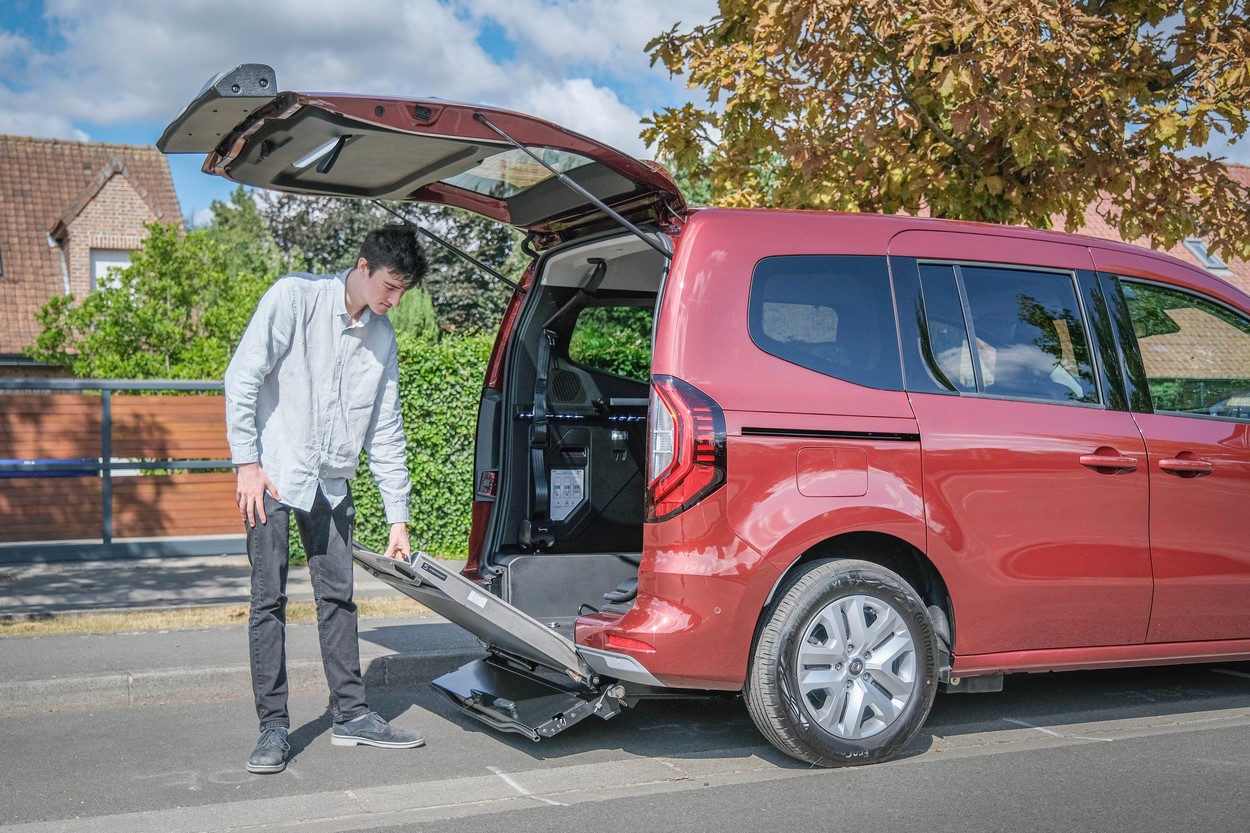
[105,264]
[1205,259]
[1,264]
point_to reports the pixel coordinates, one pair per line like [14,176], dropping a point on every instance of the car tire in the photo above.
[821,698]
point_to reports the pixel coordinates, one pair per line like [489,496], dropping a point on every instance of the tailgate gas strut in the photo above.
[451,247]
[598,203]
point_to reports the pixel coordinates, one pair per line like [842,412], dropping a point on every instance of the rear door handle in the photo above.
[1109,463]
[1187,466]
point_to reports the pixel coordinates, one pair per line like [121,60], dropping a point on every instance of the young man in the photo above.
[314,380]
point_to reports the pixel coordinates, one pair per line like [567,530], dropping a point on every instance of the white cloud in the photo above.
[141,60]
[581,106]
[127,67]
[608,34]
[202,218]
[16,121]
[12,49]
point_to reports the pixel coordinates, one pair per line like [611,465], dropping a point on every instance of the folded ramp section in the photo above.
[533,682]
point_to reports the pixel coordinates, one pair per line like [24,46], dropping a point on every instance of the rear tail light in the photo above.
[686,448]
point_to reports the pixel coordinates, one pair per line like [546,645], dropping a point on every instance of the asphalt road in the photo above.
[1138,750]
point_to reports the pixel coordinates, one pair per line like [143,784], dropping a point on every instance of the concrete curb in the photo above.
[148,687]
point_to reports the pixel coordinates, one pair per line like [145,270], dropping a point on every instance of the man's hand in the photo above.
[398,546]
[250,492]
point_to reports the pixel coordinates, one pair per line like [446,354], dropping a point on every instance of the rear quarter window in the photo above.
[832,314]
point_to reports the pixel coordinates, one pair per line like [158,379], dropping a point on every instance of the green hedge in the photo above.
[440,385]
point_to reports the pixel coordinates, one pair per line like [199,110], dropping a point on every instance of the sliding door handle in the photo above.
[1187,466]
[1108,461]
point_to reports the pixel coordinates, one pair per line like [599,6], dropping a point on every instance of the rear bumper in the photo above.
[618,666]
[700,593]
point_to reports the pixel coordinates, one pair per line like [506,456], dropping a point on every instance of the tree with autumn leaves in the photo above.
[1009,111]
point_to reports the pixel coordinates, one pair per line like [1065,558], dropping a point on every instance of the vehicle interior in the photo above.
[572,432]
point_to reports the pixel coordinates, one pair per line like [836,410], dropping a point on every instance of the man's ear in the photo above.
[362,263]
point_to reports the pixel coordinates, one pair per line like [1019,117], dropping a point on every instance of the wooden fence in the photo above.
[114,469]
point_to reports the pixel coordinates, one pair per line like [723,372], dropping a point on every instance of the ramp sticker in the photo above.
[567,491]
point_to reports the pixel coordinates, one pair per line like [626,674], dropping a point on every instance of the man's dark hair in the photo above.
[395,247]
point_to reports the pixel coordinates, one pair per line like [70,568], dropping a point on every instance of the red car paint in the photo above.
[1077,586]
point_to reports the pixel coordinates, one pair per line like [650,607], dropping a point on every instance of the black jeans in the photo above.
[327,536]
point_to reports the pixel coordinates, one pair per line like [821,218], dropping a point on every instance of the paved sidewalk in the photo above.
[120,669]
[75,587]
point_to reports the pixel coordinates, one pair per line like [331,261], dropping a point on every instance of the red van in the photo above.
[870,456]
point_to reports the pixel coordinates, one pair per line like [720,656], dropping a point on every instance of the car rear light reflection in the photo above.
[479,517]
[624,643]
[686,453]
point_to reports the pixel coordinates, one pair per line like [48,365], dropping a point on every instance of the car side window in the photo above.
[831,314]
[1007,332]
[950,356]
[1196,353]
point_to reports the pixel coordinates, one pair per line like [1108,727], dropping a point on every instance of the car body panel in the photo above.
[700,591]
[1199,528]
[1037,550]
[703,315]
[1093,658]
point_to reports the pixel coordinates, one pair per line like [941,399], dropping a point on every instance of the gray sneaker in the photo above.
[371,730]
[270,752]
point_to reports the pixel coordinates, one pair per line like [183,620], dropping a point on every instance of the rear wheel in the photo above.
[845,669]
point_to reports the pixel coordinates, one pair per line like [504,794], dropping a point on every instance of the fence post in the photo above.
[106,465]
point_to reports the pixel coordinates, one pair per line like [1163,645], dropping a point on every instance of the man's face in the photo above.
[384,289]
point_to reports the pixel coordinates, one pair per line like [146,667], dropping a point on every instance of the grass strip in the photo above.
[187,618]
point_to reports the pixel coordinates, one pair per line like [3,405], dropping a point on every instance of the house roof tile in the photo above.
[44,185]
[1238,269]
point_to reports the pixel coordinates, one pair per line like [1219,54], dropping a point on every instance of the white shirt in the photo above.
[307,389]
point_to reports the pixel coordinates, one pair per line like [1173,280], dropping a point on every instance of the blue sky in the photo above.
[120,70]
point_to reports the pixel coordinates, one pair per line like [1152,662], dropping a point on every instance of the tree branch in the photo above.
[961,150]
[1179,77]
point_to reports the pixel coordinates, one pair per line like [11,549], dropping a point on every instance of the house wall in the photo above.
[100,192]
[112,220]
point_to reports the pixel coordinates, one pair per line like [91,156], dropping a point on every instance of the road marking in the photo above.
[1230,672]
[507,779]
[490,796]
[1053,734]
[1031,726]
